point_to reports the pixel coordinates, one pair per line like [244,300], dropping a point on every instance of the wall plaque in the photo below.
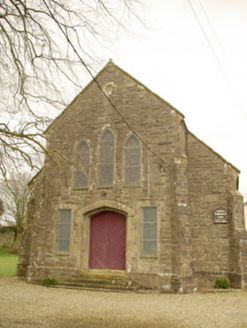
[220,215]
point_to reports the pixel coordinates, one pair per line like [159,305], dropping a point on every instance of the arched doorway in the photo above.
[107,241]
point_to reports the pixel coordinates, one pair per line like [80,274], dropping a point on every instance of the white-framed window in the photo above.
[63,228]
[82,161]
[106,159]
[148,231]
[132,158]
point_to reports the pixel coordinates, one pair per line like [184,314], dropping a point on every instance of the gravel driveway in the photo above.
[25,305]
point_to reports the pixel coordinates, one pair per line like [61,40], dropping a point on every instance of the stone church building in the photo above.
[151,206]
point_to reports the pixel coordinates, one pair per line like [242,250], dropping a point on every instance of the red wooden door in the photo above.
[107,241]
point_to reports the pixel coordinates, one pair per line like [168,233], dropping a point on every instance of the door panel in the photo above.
[107,241]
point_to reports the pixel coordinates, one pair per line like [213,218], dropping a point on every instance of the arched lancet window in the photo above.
[82,159]
[106,158]
[132,157]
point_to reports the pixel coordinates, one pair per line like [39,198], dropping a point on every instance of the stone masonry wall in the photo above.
[182,228]
[210,180]
[185,183]
[6,238]
[158,125]
[237,241]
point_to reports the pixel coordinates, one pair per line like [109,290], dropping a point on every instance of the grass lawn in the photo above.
[7,263]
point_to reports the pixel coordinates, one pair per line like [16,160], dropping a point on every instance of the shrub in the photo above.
[222,282]
[47,281]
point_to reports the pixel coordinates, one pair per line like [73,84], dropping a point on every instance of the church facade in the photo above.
[151,206]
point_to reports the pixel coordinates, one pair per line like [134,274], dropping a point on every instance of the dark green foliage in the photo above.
[222,282]
[47,281]
[6,229]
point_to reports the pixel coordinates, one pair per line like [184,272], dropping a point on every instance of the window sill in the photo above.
[81,188]
[148,257]
[62,254]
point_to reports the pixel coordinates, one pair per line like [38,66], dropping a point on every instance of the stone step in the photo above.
[95,285]
[101,278]
[102,274]
[107,280]
[78,280]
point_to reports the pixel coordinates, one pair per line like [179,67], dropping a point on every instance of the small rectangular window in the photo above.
[63,230]
[148,231]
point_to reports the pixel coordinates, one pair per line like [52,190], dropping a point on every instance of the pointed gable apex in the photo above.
[95,80]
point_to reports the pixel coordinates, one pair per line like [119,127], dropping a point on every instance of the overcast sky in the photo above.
[175,61]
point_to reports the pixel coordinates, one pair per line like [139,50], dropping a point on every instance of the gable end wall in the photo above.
[210,180]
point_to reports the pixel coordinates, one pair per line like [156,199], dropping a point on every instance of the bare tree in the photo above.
[38,64]
[15,195]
